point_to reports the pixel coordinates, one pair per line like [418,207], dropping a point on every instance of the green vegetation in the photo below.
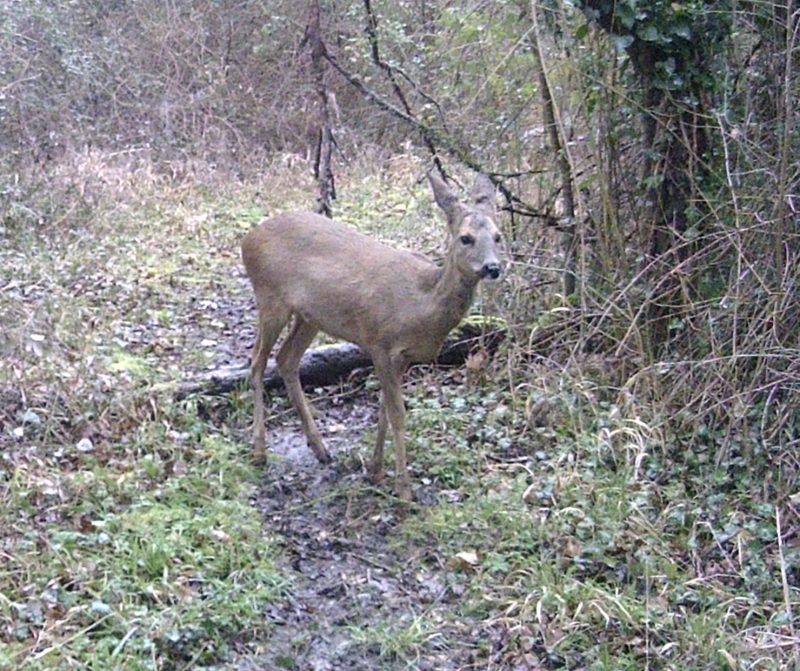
[116,561]
[592,552]
[570,531]
[616,489]
[128,536]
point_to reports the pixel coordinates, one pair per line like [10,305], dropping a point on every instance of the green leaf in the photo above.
[649,33]
[626,16]
[684,31]
[622,42]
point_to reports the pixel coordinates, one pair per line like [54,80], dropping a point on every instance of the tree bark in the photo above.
[323,137]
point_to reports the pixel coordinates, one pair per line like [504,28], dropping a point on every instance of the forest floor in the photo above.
[556,525]
[356,589]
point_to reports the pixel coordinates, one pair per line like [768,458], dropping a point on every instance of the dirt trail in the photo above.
[356,585]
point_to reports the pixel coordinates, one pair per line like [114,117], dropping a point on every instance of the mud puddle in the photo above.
[361,597]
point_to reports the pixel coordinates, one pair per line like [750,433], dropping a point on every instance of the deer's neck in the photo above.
[452,295]
[444,300]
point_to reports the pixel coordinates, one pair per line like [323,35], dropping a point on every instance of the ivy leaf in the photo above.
[622,42]
[625,15]
[649,33]
[683,30]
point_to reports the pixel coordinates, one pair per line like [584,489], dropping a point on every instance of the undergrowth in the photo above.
[128,536]
[127,531]
[147,558]
[574,529]
[584,549]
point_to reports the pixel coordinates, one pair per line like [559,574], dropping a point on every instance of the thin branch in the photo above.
[433,138]
[372,36]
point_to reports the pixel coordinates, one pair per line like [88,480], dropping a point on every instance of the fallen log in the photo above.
[332,364]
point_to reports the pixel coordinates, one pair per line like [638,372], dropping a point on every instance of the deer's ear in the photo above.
[483,196]
[447,201]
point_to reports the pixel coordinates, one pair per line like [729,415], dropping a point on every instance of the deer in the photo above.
[397,305]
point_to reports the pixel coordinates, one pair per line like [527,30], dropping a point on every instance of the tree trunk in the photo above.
[323,136]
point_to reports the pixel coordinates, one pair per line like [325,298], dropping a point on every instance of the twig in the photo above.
[784,578]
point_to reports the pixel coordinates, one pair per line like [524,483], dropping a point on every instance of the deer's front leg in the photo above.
[390,374]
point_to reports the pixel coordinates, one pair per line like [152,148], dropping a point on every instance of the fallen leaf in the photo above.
[466,561]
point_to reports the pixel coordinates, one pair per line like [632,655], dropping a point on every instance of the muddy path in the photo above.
[361,596]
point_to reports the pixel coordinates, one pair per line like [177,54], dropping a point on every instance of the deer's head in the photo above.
[475,235]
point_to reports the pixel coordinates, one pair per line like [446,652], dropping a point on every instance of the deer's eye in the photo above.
[467,240]
[498,238]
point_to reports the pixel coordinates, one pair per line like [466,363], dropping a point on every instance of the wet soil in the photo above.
[356,586]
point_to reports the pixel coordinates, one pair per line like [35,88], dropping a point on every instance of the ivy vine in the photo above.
[676,46]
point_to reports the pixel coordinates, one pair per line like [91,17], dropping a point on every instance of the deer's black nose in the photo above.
[491,271]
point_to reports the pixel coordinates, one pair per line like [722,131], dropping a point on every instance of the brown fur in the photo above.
[395,304]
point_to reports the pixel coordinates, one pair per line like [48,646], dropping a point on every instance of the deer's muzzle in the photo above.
[491,271]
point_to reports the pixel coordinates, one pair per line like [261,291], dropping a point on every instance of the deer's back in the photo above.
[303,244]
[347,283]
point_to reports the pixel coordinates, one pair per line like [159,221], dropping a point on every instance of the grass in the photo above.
[582,557]
[114,561]
[128,536]
[398,639]
[571,533]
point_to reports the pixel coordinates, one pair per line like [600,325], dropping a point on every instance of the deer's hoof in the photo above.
[376,475]
[406,496]
[323,456]
[404,492]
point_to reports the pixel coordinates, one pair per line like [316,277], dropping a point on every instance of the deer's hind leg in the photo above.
[289,355]
[272,318]
[376,472]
